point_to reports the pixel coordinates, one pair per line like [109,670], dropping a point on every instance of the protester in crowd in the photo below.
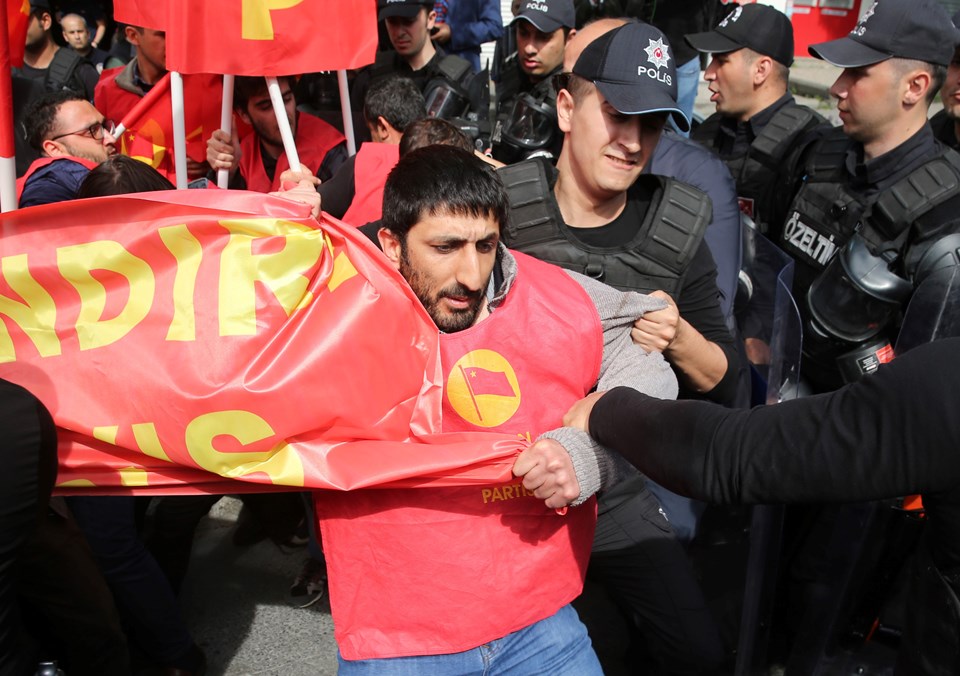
[859,199]
[526,109]
[355,193]
[759,130]
[598,214]
[72,138]
[121,88]
[946,123]
[56,67]
[466,25]
[257,161]
[890,434]
[444,604]
[77,36]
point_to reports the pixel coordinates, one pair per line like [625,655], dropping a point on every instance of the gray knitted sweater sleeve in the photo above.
[624,363]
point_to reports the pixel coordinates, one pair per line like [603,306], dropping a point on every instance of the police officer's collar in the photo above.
[756,124]
[883,170]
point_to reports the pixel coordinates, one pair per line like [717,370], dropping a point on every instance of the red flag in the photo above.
[142,13]
[18,16]
[149,125]
[270,37]
[184,340]
[483,381]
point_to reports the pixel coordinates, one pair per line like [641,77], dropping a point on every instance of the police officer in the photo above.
[598,215]
[946,123]
[526,122]
[449,85]
[893,433]
[879,207]
[759,130]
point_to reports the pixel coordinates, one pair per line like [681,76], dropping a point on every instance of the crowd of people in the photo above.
[561,210]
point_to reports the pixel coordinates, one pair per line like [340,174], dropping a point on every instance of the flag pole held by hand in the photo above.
[289,147]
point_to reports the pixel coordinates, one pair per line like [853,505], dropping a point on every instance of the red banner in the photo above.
[18,16]
[185,340]
[270,37]
[142,13]
[149,133]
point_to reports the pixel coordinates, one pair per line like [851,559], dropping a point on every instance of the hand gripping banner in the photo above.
[217,341]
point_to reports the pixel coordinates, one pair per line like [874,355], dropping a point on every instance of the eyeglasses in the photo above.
[94,131]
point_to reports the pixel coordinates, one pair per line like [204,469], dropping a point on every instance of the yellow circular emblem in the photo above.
[482,387]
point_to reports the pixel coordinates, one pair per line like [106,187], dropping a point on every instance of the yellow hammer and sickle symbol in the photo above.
[255,20]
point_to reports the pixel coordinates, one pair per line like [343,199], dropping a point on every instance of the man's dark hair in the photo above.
[432,131]
[395,98]
[441,180]
[40,118]
[120,175]
[245,87]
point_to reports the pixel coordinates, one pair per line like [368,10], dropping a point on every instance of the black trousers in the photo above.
[641,565]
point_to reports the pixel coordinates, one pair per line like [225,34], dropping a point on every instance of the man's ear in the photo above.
[565,104]
[762,69]
[381,129]
[431,19]
[390,244]
[132,36]
[918,83]
[242,114]
[52,148]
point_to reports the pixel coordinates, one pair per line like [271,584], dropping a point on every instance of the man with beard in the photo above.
[479,578]
[256,162]
[72,138]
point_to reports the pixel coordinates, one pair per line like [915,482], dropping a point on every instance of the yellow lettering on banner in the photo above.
[486,493]
[282,272]
[77,261]
[148,441]
[189,254]
[107,433]
[281,463]
[133,476]
[255,20]
[343,270]
[36,315]
[76,483]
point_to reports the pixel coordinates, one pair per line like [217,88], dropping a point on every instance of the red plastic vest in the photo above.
[371,166]
[441,570]
[44,161]
[314,138]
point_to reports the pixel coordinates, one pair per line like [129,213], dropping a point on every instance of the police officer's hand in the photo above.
[223,150]
[579,414]
[547,470]
[656,331]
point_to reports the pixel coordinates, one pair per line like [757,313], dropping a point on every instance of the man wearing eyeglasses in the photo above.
[72,137]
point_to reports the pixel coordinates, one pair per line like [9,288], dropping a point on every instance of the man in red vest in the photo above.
[355,193]
[256,161]
[72,138]
[480,578]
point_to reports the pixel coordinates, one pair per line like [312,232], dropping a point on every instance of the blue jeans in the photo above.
[688,78]
[557,645]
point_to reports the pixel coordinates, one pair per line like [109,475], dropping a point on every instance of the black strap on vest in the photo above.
[773,143]
[60,73]
[676,227]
